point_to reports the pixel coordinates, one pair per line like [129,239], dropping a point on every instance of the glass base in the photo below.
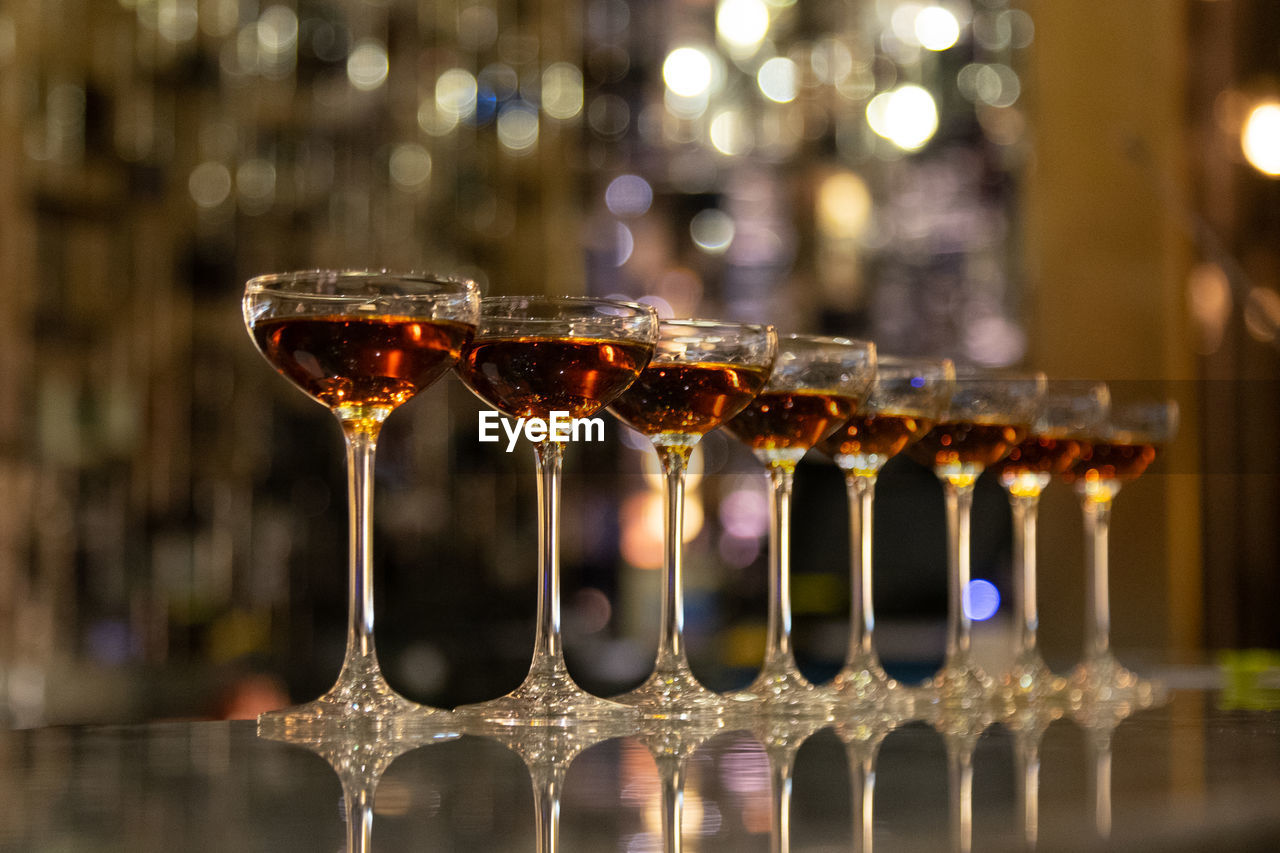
[361,704]
[1029,681]
[861,684]
[780,690]
[1103,679]
[548,697]
[673,693]
[960,684]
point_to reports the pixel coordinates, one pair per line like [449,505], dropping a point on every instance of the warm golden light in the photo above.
[1260,138]
[844,206]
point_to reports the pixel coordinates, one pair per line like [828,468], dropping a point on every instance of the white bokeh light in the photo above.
[518,128]
[777,80]
[742,24]
[687,71]
[936,28]
[562,91]
[456,93]
[906,116]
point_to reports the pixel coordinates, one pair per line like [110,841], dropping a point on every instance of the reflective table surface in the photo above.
[1190,773]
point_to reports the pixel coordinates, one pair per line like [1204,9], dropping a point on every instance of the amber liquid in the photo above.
[534,376]
[790,420]
[966,443]
[1040,454]
[364,365]
[882,434]
[1102,460]
[688,398]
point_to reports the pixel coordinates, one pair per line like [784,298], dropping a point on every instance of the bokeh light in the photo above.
[777,80]
[456,93]
[712,231]
[562,91]
[628,196]
[936,28]
[518,128]
[410,165]
[209,184]
[1260,138]
[742,24]
[687,71]
[981,600]
[906,116]
[367,65]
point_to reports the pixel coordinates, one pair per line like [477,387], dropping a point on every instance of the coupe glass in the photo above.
[361,343]
[815,387]
[532,356]
[1070,413]
[906,399]
[989,414]
[702,374]
[1120,452]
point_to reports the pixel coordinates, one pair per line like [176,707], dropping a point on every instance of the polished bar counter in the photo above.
[1192,772]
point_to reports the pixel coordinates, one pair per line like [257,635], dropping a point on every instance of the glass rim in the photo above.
[826,340]
[640,308]
[271,282]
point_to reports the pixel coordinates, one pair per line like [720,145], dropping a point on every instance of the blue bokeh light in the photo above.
[981,600]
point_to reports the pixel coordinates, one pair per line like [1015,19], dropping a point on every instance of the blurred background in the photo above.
[1086,188]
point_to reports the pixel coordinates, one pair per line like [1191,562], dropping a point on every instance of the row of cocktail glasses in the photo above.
[362,343]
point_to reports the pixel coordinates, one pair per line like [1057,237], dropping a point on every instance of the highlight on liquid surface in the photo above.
[790,420]
[361,367]
[688,398]
[530,376]
[966,443]
[1123,461]
[882,434]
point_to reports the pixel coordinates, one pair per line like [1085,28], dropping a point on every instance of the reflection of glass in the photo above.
[961,727]
[532,356]
[1027,716]
[671,742]
[862,735]
[1070,413]
[1117,455]
[359,755]
[782,738]
[361,343]
[988,415]
[905,401]
[1099,709]
[702,374]
[814,388]
[547,752]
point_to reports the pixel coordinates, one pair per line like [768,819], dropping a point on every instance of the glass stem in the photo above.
[547,651]
[1024,509]
[780,771]
[671,653]
[960,771]
[362,443]
[778,651]
[359,808]
[959,501]
[862,618]
[672,807]
[1097,524]
[864,795]
[546,797]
